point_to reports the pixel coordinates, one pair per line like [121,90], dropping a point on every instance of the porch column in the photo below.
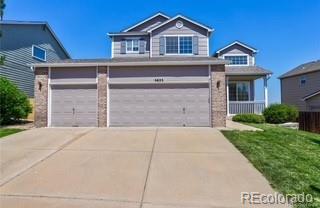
[265,84]
[227,83]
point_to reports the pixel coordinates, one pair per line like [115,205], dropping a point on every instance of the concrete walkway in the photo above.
[231,125]
[125,167]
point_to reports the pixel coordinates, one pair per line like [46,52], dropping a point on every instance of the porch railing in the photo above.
[241,107]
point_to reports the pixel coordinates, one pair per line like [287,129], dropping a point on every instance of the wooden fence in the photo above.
[309,121]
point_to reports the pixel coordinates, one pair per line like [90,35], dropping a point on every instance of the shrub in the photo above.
[14,104]
[249,118]
[280,113]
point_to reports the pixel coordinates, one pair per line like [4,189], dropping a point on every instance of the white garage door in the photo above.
[73,105]
[159,105]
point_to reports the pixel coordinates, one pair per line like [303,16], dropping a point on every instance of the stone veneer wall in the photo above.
[102,96]
[41,97]
[218,96]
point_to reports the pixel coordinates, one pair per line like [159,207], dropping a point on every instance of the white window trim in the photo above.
[237,54]
[131,39]
[175,54]
[45,53]
[249,90]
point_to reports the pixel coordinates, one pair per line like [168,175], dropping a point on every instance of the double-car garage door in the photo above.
[159,105]
[137,97]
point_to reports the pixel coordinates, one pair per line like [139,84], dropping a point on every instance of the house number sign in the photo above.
[158,80]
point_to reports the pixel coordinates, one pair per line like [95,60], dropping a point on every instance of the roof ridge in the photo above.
[301,69]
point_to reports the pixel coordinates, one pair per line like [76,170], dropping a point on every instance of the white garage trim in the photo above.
[49,98]
[210,95]
[108,100]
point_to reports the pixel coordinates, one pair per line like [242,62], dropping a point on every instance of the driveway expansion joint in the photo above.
[149,165]
[67,197]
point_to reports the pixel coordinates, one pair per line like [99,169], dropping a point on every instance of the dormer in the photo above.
[160,35]
[238,53]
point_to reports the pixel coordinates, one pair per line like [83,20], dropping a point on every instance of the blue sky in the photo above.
[286,32]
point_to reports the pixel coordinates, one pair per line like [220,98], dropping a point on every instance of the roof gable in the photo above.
[184,18]
[46,24]
[149,19]
[240,44]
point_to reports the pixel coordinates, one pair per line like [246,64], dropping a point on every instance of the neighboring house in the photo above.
[26,42]
[301,86]
[160,74]
[241,74]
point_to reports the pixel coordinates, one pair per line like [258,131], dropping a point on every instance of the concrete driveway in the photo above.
[124,167]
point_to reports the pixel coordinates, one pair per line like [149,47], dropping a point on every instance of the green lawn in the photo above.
[289,159]
[6,132]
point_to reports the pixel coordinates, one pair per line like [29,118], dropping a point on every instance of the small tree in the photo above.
[14,104]
[2,7]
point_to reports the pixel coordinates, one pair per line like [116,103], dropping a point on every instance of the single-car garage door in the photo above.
[73,105]
[159,105]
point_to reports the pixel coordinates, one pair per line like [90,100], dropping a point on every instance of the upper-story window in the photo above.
[303,81]
[132,46]
[178,45]
[39,53]
[237,59]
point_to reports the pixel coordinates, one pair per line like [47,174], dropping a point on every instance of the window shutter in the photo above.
[123,47]
[195,47]
[162,45]
[142,46]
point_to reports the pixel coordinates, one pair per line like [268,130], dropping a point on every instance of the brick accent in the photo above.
[218,96]
[41,97]
[102,96]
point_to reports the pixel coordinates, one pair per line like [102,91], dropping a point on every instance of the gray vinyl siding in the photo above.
[313,104]
[73,75]
[292,93]
[16,45]
[168,73]
[117,47]
[237,49]
[187,29]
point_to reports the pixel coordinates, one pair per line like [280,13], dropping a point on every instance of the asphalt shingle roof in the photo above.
[246,70]
[302,69]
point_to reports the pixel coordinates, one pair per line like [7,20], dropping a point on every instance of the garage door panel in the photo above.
[159,105]
[74,105]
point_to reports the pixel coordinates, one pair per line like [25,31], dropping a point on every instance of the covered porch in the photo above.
[244,95]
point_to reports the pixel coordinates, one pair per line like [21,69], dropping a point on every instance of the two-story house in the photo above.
[160,74]
[301,86]
[26,42]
